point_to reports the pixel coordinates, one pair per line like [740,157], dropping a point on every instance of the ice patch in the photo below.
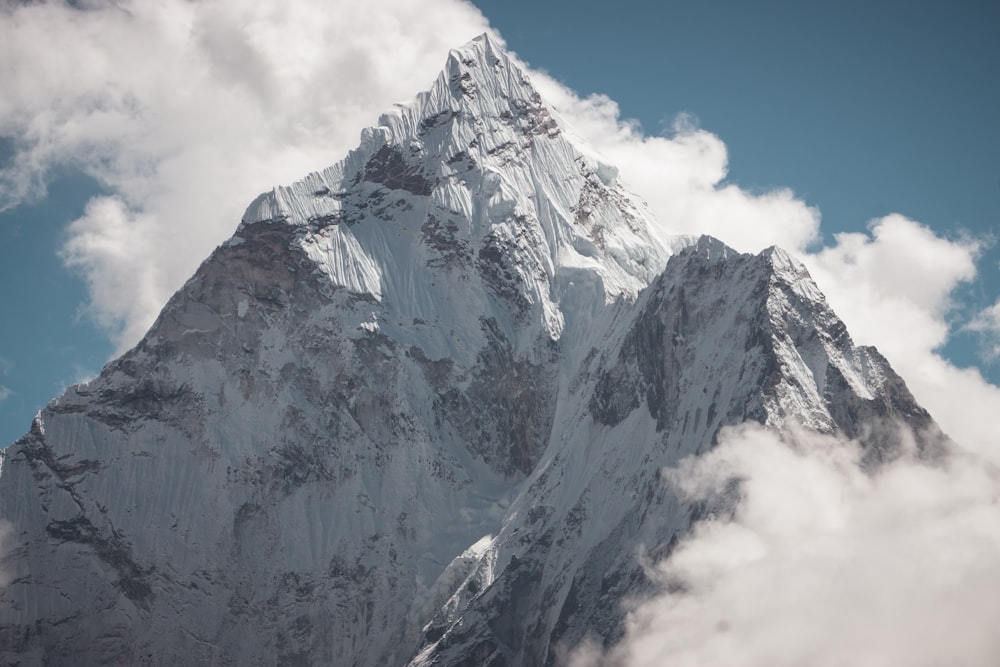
[607,173]
[337,252]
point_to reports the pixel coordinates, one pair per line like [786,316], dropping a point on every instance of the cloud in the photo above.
[185,111]
[987,323]
[111,247]
[681,176]
[894,284]
[823,563]
[893,287]
[987,320]
[5,393]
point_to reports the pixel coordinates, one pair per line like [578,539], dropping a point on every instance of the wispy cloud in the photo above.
[986,323]
[5,393]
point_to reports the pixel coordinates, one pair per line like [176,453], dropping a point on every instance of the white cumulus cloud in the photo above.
[893,287]
[682,177]
[894,283]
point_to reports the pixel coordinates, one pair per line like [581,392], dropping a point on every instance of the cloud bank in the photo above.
[824,564]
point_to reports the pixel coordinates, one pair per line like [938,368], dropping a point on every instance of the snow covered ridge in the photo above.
[414,412]
[474,173]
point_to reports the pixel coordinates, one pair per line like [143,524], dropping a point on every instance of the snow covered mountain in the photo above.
[414,411]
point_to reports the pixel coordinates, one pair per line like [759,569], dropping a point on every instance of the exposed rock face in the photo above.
[414,411]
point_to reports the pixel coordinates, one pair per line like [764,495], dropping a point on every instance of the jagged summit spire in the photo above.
[481,83]
[480,92]
[483,62]
[484,49]
[472,179]
[483,54]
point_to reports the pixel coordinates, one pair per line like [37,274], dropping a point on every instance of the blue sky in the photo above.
[861,109]
[47,341]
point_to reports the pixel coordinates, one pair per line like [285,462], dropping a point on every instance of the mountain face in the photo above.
[414,411]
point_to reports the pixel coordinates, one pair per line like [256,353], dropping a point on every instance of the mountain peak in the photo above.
[484,60]
[484,51]
[712,248]
[471,182]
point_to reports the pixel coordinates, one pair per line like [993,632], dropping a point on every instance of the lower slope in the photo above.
[267,478]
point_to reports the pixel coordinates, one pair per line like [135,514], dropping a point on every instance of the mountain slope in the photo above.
[414,410]
[718,339]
